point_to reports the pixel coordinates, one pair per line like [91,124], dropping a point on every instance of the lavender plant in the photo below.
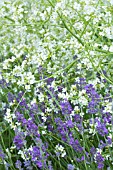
[56,87]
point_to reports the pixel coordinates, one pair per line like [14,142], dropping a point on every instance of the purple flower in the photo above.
[70,167]
[65,107]
[94,99]
[32,128]
[27,164]
[40,69]
[90,90]
[58,120]
[92,150]
[39,164]
[50,165]
[107,117]
[100,161]
[10,97]
[2,155]
[23,103]
[20,118]
[71,140]
[39,153]
[92,107]
[18,165]
[80,159]
[109,140]
[41,106]
[35,153]
[70,124]
[80,127]
[101,128]
[60,89]
[77,146]
[63,131]
[77,118]
[3,83]
[82,81]
[108,98]
[102,144]
[19,140]
[34,107]
[50,80]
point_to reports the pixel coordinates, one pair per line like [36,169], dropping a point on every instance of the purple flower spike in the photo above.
[19,140]
[100,161]
[65,107]
[18,165]
[70,167]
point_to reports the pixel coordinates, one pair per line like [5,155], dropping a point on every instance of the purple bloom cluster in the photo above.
[19,140]
[18,165]
[62,128]
[80,159]
[27,165]
[101,128]
[65,107]
[81,83]
[107,117]
[94,99]
[67,126]
[100,161]
[30,126]
[39,153]
[3,83]
[2,155]
[70,167]
[76,145]
[10,97]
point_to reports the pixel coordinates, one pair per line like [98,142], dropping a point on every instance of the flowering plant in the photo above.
[56,85]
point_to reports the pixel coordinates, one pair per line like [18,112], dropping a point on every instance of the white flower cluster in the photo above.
[9,118]
[60,151]
[108,107]
[43,35]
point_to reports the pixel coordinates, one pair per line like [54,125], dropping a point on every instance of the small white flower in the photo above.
[82,100]
[111,48]
[20,152]
[60,149]
[0,77]
[41,97]
[33,101]
[108,107]
[76,108]
[27,87]
[99,150]
[44,118]
[81,114]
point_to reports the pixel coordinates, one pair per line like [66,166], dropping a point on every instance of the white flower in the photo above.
[20,152]
[81,114]
[60,149]
[27,87]
[105,47]
[111,48]
[41,97]
[7,116]
[76,108]
[44,118]
[108,107]
[82,100]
